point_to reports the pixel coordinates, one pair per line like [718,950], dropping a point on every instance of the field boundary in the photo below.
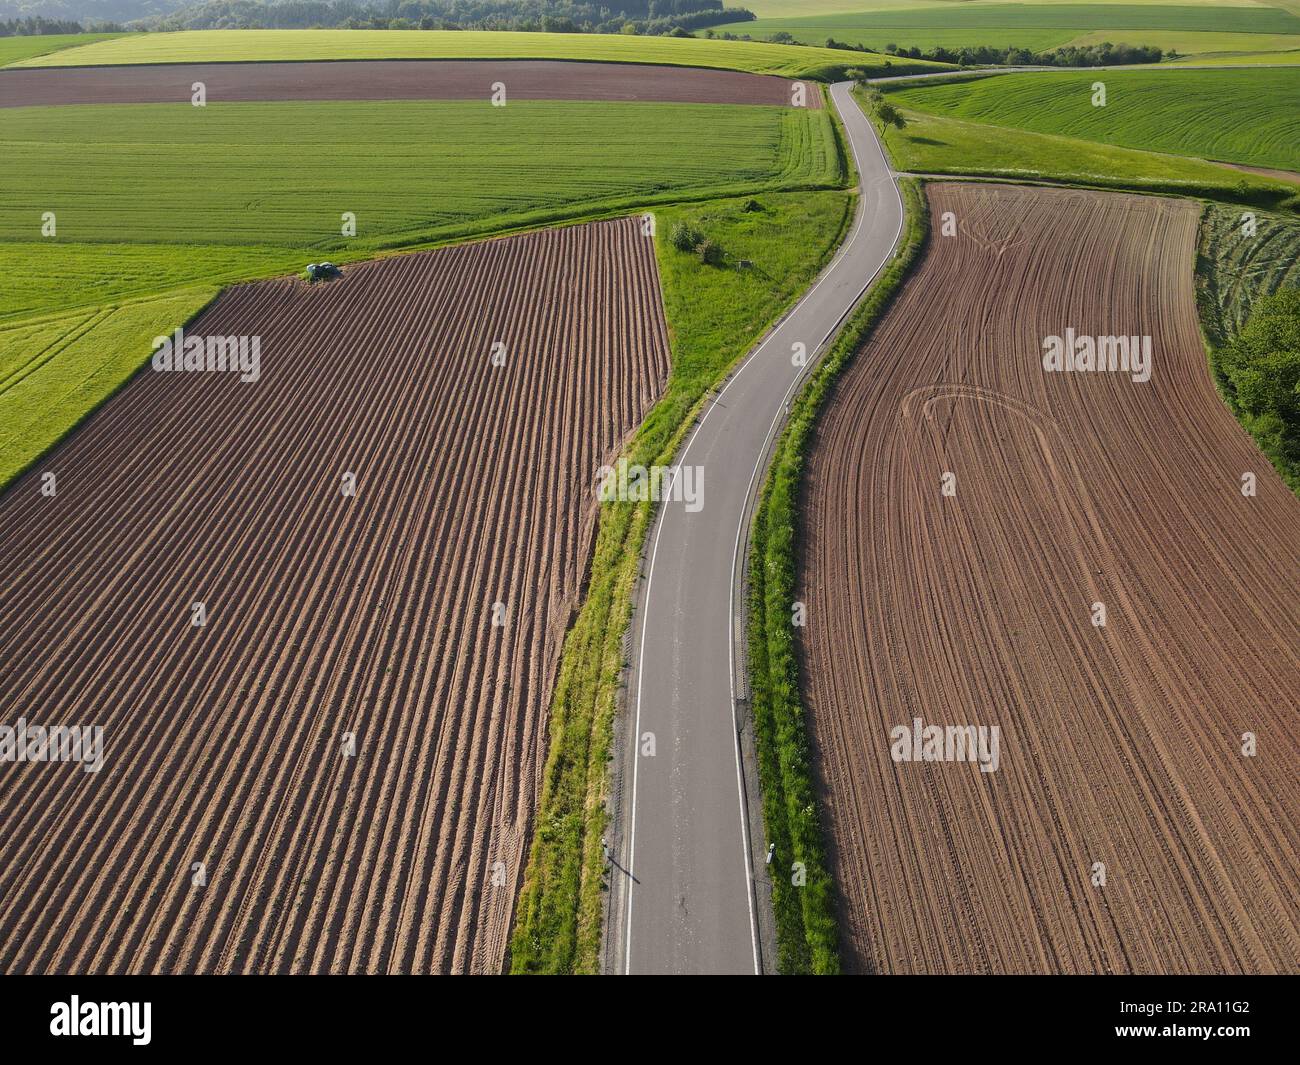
[806,922]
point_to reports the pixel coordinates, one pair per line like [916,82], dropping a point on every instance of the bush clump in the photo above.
[684,237]
[710,253]
[687,238]
[1260,370]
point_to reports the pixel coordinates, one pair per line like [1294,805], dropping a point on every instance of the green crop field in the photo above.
[863,29]
[934,144]
[1248,117]
[788,9]
[214,46]
[15,49]
[284,173]
[1040,27]
[158,205]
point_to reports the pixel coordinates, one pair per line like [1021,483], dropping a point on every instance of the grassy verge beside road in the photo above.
[715,316]
[807,936]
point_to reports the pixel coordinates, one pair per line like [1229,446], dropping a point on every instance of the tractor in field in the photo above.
[321,272]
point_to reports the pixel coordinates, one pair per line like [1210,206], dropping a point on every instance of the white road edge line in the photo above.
[654,552]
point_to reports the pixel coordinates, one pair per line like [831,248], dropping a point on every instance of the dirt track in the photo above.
[325,615]
[1281,175]
[394,80]
[1120,744]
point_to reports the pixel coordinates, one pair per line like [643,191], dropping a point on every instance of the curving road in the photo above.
[689,892]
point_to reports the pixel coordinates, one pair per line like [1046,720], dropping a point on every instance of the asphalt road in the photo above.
[689,893]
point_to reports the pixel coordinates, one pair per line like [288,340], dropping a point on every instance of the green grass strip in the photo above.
[806,926]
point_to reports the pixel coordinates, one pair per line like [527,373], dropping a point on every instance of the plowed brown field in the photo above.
[326,615]
[1120,744]
[394,79]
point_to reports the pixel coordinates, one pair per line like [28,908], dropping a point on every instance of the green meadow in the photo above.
[410,171]
[1192,47]
[44,277]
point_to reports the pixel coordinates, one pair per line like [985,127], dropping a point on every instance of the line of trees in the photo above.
[36,26]
[1090,55]
[553,16]
[88,14]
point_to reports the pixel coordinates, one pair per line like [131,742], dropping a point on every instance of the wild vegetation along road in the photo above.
[685,899]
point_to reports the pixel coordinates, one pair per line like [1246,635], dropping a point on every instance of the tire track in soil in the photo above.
[1119,744]
[325,615]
